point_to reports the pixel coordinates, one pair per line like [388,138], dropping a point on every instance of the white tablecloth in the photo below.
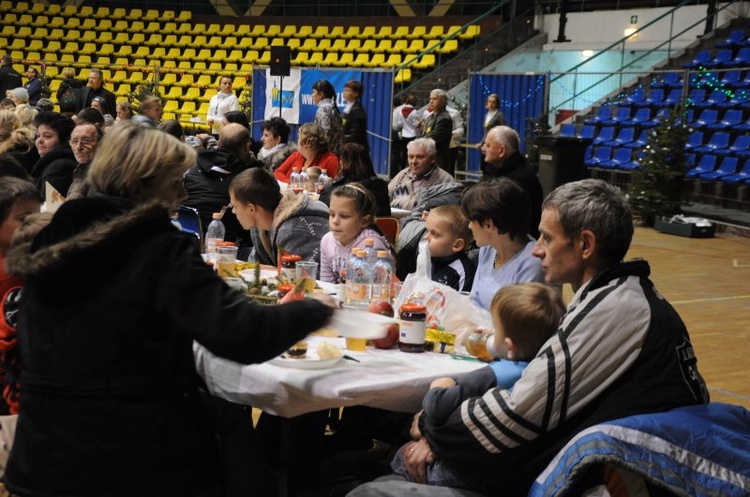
[387,379]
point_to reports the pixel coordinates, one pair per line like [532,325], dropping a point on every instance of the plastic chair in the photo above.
[587,132]
[190,221]
[723,58]
[718,140]
[655,95]
[635,98]
[568,130]
[706,118]
[605,135]
[742,176]
[390,228]
[603,114]
[734,39]
[740,147]
[731,78]
[696,97]
[656,120]
[695,140]
[620,156]
[641,115]
[727,167]
[731,118]
[626,135]
[639,142]
[700,60]
[706,165]
[602,154]
[742,59]
[670,80]
[618,116]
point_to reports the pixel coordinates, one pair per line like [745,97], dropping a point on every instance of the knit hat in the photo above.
[20,93]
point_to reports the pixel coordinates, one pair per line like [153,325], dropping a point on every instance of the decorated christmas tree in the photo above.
[656,186]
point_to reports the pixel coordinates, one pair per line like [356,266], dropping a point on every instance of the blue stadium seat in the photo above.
[731,78]
[635,98]
[604,135]
[742,59]
[727,167]
[739,147]
[639,142]
[619,157]
[694,141]
[602,154]
[641,115]
[716,98]
[656,120]
[568,129]
[587,132]
[624,136]
[706,165]
[700,60]
[706,118]
[634,163]
[603,114]
[731,118]
[696,97]
[744,82]
[655,95]
[718,140]
[735,39]
[669,80]
[618,116]
[723,58]
[742,176]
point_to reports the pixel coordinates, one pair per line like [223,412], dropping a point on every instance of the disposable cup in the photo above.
[356,344]
[307,271]
[226,258]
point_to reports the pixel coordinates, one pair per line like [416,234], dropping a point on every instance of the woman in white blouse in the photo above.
[221,103]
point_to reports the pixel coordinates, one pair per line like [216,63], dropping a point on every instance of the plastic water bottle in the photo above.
[323,180]
[295,181]
[214,234]
[371,253]
[304,180]
[358,280]
[382,274]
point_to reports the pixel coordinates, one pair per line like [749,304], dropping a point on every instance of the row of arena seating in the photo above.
[725,58]
[731,119]
[698,98]
[85,11]
[732,79]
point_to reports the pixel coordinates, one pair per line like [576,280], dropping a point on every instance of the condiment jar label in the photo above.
[412,332]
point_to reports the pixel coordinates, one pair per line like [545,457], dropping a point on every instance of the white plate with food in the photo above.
[360,324]
[268,274]
[303,356]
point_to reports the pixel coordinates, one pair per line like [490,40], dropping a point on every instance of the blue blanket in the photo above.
[698,451]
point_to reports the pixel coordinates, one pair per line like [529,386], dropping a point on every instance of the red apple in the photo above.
[391,339]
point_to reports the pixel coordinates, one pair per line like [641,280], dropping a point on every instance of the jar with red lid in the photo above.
[287,267]
[284,288]
[412,318]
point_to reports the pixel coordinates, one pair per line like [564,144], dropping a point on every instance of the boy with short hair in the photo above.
[448,238]
[524,317]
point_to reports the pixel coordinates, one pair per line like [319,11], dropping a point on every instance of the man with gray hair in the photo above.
[439,126]
[620,350]
[96,88]
[422,172]
[501,153]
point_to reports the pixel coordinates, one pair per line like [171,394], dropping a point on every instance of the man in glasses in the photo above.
[83,141]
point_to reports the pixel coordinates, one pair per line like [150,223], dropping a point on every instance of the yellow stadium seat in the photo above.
[288,31]
[192,93]
[69,11]
[427,61]
[400,32]
[153,27]
[470,32]
[239,82]
[383,46]
[174,92]
[219,54]
[251,56]
[106,49]
[314,59]
[350,32]
[123,89]
[22,7]
[258,30]
[213,29]
[450,46]
[169,28]
[200,41]
[102,13]
[398,46]
[304,32]
[153,40]
[215,41]
[168,64]
[235,56]
[265,57]
[300,58]
[338,45]
[309,45]
[121,39]
[320,32]
[245,43]
[363,58]
[152,15]
[39,34]
[89,37]
[89,49]
[403,76]
[169,41]
[167,15]
[330,59]
[369,45]
[435,32]
[415,46]
[231,41]
[184,41]
[142,52]
[394,60]
[72,35]
[89,24]
[278,42]
[293,43]
[125,51]
[135,78]
[36,8]
[242,30]
[120,26]
[137,27]
[184,16]
[134,15]
[56,34]
[17,44]
[33,58]
[273,30]
[159,53]
[170,106]
[72,23]
[118,77]
[204,81]
[71,47]
[345,60]
[417,32]
[53,47]
[366,32]
[121,61]
[119,13]
[353,45]
[383,32]
[260,43]
[324,45]
[184,80]
[187,54]
[39,20]
[377,60]
[6,6]
[25,20]
[336,32]
[54,84]
[452,30]
[184,28]
[105,37]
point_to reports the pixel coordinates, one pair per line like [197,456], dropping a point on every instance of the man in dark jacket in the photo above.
[439,127]
[354,115]
[33,86]
[504,160]
[207,183]
[9,77]
[96,88]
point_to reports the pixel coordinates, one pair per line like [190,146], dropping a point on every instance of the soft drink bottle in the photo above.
[382,274]
[214,234]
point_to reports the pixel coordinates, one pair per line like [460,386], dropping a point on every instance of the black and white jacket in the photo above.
[621,349]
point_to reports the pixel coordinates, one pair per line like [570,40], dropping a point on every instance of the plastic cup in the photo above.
[307,271]
[395,290]
[356,344]
[226,259]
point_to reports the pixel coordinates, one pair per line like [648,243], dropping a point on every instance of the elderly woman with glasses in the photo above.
[114,297]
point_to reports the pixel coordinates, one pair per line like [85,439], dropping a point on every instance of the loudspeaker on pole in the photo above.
[280,63]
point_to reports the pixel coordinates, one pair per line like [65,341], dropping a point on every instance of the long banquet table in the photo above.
[386,379]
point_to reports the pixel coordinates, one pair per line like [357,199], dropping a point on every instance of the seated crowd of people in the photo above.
[107,290]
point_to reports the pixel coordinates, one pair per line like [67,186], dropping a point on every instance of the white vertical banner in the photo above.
[286,97]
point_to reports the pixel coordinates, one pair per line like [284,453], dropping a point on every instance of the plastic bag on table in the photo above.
[448,310]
